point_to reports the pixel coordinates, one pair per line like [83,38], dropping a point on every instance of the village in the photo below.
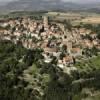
[67,46]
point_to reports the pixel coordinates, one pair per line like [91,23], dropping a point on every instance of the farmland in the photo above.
[74,17]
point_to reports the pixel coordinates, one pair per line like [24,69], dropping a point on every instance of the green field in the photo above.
[89,65]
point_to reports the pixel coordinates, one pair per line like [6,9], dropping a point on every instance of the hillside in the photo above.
[36,5]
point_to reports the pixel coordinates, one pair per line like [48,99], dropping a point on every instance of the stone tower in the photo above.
[69,47]
[45,21]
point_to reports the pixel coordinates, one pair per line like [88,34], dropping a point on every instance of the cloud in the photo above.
[77,1]
[5,0]
[81,1]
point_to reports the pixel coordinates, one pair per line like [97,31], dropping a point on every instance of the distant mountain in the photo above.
[36,5]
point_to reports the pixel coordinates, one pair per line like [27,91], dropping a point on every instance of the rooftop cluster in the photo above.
[58,43]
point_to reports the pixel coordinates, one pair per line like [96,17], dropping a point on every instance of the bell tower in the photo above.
[45,21]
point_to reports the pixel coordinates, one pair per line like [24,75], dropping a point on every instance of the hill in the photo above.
[37,5]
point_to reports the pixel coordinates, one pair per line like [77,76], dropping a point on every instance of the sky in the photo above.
[6,0]
[78,1]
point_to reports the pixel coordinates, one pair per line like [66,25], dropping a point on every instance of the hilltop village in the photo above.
[56,41]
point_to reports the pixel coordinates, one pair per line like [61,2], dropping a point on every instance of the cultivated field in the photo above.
[95,20]
[76,18]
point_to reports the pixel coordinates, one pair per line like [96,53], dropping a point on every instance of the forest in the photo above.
[45,81]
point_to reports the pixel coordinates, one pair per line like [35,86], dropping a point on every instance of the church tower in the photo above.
[69,47]
[45,21]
